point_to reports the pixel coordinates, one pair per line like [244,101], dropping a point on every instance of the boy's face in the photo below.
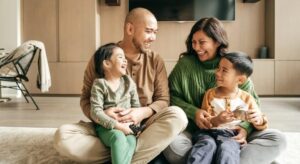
[117,64]
[226,75]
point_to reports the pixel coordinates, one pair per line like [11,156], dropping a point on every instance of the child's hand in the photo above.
[124,127]
[222,118]
[225,117]
[255,117]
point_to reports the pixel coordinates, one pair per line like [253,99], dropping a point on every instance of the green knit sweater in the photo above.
[188,82]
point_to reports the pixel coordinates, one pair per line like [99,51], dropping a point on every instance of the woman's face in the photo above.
[204,46]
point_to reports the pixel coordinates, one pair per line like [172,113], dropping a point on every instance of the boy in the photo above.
[228,106]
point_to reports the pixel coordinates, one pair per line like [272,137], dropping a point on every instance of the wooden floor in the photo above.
[283,113]
[54,111]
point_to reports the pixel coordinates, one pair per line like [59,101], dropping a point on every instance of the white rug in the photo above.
[292,154]
[29,146]
[20,145]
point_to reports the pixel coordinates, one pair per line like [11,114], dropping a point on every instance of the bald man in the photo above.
[163,123]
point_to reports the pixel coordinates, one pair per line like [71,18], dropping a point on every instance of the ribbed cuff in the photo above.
[247,126]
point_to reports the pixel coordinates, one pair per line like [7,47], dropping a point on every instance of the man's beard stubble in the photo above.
[139,46]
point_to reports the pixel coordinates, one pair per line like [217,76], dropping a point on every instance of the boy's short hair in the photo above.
[242,63]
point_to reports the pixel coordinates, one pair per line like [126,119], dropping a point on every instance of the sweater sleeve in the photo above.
[254,106]
[208,97]
[97,104]
[176,91]
[88,79]
[161,97]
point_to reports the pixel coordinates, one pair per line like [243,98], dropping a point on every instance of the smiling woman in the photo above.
[205,45]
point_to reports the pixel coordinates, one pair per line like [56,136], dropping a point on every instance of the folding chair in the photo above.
[14,68]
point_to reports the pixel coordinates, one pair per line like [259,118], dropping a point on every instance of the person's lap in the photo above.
[263,147]
[161,130]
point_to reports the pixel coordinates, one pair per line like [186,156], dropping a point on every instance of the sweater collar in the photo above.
[211,64]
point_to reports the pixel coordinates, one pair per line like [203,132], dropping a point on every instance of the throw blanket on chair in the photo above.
[44,78]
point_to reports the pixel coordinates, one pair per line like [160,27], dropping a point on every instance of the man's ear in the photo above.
[242,79]
[129,28]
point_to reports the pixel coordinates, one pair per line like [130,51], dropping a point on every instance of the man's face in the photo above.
[145,34]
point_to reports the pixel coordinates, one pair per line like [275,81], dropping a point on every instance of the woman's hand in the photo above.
[255,117]
[241,137]
[202,119]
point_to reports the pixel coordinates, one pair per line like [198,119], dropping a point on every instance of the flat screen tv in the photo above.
[187,10]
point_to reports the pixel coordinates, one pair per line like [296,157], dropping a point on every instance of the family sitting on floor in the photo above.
[214,117]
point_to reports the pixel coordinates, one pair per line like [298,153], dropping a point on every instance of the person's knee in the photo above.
[271,138]
[179,115]
[177,151]
[279,138]
[63,139]
[87,144]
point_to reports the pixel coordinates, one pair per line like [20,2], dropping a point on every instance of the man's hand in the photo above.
[202,119]
[241,136]
[135,115]
[114,112]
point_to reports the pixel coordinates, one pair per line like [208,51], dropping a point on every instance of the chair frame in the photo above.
[21,74]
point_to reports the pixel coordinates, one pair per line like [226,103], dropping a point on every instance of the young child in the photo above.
[113,89]
[228,106]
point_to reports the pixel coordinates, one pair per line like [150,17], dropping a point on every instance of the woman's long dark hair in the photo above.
[214,29]
[103,53]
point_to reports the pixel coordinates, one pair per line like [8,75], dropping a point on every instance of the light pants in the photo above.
[79,141]
[121,146]
[262,148]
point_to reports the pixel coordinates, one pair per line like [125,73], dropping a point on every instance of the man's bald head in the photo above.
[138,15]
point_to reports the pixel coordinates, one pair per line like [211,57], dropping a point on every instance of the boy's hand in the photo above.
[222,118]
[255,117]
[225,117]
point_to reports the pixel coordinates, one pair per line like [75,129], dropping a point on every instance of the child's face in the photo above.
[226,75]
[118,62]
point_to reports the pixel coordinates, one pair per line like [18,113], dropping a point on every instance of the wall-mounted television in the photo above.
[187,10]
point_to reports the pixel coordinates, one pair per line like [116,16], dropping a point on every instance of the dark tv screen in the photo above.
[187,10]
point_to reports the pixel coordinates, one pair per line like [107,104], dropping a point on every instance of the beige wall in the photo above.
[9,31]
[246,33]
[10,24]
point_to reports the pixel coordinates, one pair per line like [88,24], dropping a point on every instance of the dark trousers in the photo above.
[214,146]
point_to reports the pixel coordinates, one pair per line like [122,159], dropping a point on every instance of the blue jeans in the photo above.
[214,146]
[263,147]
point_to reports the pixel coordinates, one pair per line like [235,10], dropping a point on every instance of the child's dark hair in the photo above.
[241,62]
[103,53]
